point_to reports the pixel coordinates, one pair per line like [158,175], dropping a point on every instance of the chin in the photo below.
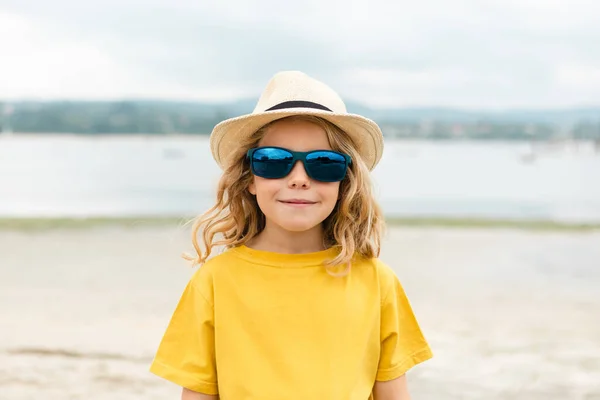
[298,226]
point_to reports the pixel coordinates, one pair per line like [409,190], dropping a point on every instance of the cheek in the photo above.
[266,188]
[330,192]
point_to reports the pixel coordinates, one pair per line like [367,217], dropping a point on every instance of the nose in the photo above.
[298,178]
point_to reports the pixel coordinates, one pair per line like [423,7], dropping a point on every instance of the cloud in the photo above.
[466,53]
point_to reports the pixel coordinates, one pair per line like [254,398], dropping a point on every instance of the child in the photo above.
[298,306]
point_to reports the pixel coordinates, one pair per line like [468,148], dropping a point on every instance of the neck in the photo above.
[278,240]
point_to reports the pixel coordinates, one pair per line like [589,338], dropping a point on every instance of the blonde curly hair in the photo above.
[355,225]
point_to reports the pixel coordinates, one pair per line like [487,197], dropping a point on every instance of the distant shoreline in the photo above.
[51,223]
[206,136]
[166,116]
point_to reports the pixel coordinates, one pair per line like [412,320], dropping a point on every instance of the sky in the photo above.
[484,54]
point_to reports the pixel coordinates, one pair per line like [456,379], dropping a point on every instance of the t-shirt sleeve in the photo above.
[402,343]
[186,354]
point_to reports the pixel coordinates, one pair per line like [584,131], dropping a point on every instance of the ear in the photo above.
[252,187]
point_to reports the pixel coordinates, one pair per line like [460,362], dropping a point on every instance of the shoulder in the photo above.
[386,276]
[382,269]
[204,277]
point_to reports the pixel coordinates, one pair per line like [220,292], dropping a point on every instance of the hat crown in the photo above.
[289,86]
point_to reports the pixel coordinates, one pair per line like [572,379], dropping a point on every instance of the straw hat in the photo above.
[295,93]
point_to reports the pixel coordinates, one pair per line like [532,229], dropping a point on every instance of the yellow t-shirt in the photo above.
[259,325]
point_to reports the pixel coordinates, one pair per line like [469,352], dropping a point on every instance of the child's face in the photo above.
[277,198]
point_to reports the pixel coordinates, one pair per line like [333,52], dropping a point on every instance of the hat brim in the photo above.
[365,133]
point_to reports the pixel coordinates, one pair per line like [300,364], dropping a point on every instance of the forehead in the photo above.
[296,135]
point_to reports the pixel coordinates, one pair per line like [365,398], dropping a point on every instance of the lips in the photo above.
[297,201]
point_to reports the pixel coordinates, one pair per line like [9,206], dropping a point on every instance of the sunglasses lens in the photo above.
[272,163]
[326,166]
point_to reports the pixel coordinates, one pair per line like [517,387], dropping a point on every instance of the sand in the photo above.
[509,314]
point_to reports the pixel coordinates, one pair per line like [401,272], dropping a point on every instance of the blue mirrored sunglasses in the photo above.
[277,162]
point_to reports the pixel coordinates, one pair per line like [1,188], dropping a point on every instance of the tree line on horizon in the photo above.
[160,117]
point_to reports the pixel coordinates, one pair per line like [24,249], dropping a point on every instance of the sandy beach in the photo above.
[510,314]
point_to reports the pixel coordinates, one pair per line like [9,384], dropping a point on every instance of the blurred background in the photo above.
[490,178]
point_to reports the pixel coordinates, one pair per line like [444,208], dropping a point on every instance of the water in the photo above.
[53,175]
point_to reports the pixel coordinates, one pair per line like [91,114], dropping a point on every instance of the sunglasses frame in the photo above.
[299,156]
